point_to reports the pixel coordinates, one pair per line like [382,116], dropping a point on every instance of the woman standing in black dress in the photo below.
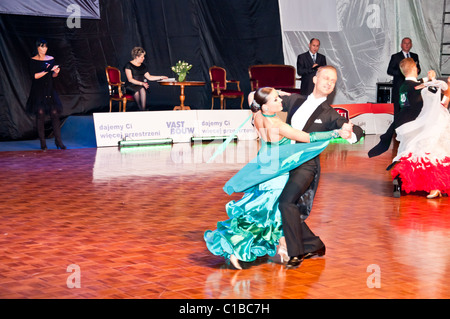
[137,76]
[43,98]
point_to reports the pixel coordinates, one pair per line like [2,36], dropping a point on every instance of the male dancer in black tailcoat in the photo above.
[311,114]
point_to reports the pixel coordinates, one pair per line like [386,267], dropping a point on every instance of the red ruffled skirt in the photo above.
[421,174]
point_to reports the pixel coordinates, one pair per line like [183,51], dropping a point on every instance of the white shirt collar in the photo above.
[411,78]
[313,99]
[302,115]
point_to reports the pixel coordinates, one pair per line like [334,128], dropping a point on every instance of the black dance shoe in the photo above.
[397,187]
[319,252]
[60,145]
[294,262]
[43,146]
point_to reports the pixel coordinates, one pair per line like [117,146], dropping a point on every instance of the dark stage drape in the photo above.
[233,34]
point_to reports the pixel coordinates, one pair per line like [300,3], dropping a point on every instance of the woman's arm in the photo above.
[155,77]
[39,75]
[292,133]
[130,78]
[301,136]
[133,81]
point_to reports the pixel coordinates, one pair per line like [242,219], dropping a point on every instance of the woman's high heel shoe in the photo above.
[43,146]
[60,145]
[434,193]
[283,254]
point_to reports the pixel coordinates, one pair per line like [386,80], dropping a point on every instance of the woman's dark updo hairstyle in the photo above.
[261,96]
[38,43]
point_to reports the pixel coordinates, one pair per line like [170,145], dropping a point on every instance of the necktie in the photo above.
[407,55]
[314,58]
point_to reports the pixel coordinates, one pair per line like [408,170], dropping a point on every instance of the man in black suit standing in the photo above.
[311,114]
[394,70]
[307,65]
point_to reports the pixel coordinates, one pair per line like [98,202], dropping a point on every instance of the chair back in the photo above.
[113,75]
[218,75]
[273,75]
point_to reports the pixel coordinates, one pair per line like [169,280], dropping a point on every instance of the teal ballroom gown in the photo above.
[254,227]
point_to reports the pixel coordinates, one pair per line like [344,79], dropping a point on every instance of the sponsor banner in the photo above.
[363,108]
[111,128]
[224,123]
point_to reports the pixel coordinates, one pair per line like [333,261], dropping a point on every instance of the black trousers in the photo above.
[299,238]
[396,98]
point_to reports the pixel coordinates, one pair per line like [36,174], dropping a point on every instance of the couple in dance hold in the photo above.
[279,185]
[422,127]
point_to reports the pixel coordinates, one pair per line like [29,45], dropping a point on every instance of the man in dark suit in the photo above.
[311,114]
[307,65]
[394,69]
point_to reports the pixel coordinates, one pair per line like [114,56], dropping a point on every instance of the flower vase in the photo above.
[181,77]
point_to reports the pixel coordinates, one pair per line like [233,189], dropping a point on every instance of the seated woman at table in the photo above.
[137,75]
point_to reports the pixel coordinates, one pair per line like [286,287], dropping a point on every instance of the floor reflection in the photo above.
[262,278]
[173,159]
[421,240]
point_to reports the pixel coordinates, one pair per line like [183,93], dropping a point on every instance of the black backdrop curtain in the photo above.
[233,34]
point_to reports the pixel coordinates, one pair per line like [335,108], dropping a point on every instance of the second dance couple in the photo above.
[280,183]
[421,127]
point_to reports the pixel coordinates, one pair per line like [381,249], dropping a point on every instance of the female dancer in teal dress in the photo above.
[254,227]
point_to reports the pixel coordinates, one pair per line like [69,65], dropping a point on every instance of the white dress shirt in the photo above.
[304,112]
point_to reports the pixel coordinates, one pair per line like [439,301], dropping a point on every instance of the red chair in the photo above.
[114,81]
[219,82]
[278,76]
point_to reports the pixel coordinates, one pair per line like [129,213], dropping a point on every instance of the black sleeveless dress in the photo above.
[138,73]
[43,97]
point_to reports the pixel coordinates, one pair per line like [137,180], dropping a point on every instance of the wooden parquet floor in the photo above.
[110,224]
